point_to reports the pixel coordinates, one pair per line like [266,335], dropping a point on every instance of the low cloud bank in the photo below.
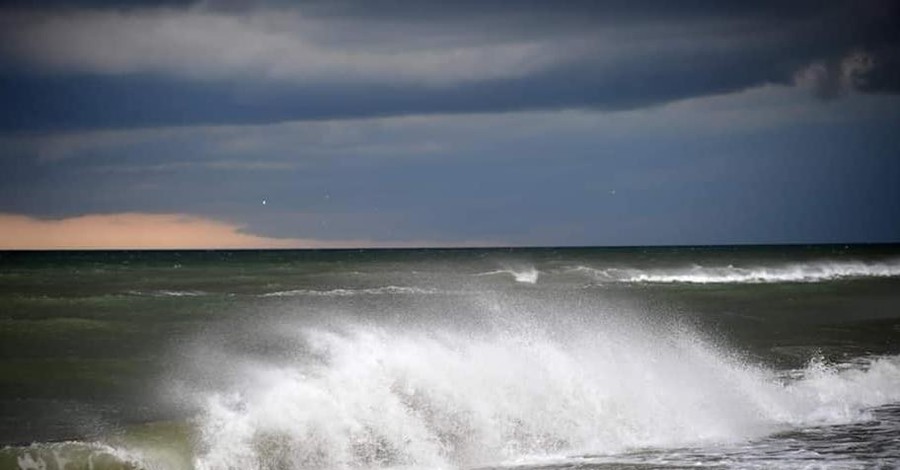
[138,231]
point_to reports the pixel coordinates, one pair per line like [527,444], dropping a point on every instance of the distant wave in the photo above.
[387,290]
[528,275]
[817,271]
[168,293]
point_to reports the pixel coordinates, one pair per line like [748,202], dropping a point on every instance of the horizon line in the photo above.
[464,248]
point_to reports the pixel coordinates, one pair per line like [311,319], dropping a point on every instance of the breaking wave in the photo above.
[525,275]
[801,272]
[373,397]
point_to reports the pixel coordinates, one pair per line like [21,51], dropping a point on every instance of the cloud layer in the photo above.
[259,62]
[269,45]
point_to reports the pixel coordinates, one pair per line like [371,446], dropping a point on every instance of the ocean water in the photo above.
[627,358]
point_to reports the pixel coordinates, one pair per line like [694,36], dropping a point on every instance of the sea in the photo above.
[757,357]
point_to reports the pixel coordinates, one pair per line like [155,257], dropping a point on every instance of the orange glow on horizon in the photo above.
[135,231]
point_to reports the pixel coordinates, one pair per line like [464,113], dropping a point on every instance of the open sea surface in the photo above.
[593,358]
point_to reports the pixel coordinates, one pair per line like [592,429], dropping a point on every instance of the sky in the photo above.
[389,123]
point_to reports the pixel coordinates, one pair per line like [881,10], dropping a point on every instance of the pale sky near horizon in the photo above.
[350,123]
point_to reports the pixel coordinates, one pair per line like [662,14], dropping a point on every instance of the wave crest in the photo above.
[696,274]
[90,455]
[525,275]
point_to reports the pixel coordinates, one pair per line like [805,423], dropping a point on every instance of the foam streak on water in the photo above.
[377,397]
[387,290]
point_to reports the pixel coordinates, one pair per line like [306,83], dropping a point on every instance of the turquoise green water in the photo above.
[601,358]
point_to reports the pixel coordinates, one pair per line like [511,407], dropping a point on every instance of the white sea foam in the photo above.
[817,271]
[373,397]
[386,290]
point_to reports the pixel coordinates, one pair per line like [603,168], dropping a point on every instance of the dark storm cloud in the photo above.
[94,3]
[256,62]
[88,101]
[884,76]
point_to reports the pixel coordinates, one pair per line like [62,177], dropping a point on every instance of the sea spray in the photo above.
[380,396]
